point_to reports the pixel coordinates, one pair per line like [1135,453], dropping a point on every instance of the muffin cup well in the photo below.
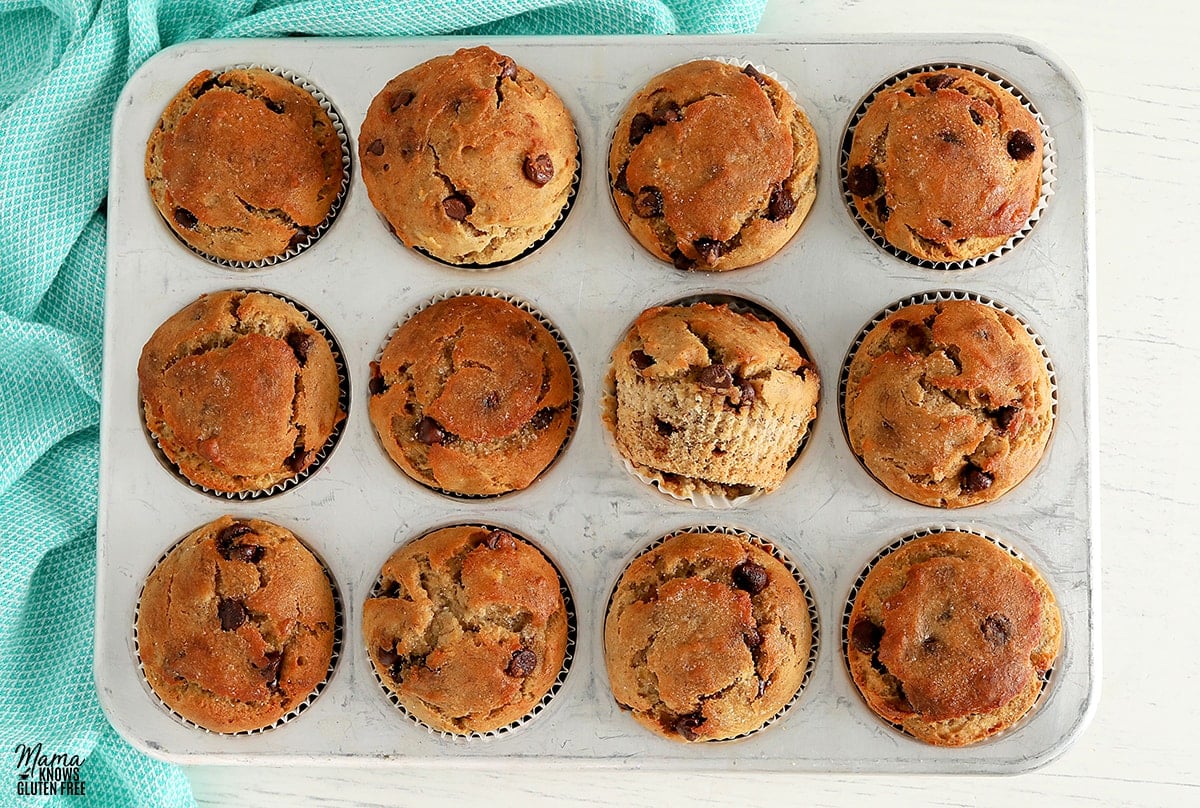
[543,703]
[1048,168]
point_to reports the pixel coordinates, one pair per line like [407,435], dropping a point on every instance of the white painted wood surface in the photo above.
[1139,64]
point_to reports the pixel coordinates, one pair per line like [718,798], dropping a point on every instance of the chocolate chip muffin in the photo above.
[946,166]
[709,402]
[713,167]
[236,625]
[244,165]
[949,404]
[472,395]
[469,157]
[950,638]
[240,391]
[468,628]
[707,637]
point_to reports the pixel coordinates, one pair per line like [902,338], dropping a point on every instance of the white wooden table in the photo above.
[1139,64]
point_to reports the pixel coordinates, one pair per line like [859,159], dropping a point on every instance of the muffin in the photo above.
[240,391]
[707,637]
[950,638]
[948,404]
[244,165]
[467,628]
[236,625]
[946,166]
[708,401]
[470,157]
[713,167]
[472,396]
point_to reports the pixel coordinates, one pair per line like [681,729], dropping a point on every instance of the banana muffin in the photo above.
[948,404]
[708,401]
[946,165]
[950,638]
[707,637]
[468,628]
[472,395]
[240,391]
[236,625]
[244,165]
[712,166]
[469,157]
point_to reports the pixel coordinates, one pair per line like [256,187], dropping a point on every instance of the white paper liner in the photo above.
[1046,676]
[555,687]
[943,296]
[318,231]
[707,499]
[330,443]
[555,332]
[814,617]
[338,628]
[1048,169]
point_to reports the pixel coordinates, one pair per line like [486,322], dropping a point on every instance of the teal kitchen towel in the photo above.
[62,65]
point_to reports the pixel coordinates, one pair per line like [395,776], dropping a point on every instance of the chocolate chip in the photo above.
[273,105]
[862,180]
[667,113]
[681,261]
[664,429]
[402,99]
[621,183]
[429,432]
[751,577]
[298,460]
[185,218]
[882,209]
[975,479]
[996,629]
[640,360]
[781,205]
[542,418]
[274,663]
[976,117]
[508,69]
[523,663]
[648,202]
[754,74]
[639,127]
[931,645]
[376,385]
[232,613]
[938,80]
[715,376]
[753,638]
[376,147]
[710,250]
[748,394]
[499,540]
[1020,146]
[301,342]
[226,537]
[387,657]
[249,553]
[865,636]
[458,206]
[686,725]
[539,170]
[1005,416]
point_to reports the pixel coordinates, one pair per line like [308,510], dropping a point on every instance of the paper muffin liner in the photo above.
[1049,159]
[657,479]
[555,332]
[542,704]
[343,138]
[797,575]
[338,632]
[330,443]
[1046,677]
[942,296]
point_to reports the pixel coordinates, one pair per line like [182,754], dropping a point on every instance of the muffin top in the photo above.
[949,637]
[469,157]
[240,391]
[468,628]
[948,404]
[707,637]
[244,164]
[946,166]
[236,625]
[713,167]
[472,395]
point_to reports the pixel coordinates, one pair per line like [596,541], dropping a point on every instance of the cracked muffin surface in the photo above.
[239,390]
[472,395]
[950,637]
[946,165]
[709,401]
[236,625]
[469,157]
[707,637]
[712,166]
[244,164]
[949,404]
[468,628]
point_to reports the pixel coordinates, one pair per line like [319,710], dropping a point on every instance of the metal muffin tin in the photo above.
[592,280]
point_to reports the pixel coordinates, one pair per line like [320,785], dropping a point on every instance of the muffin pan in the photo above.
[586,511]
